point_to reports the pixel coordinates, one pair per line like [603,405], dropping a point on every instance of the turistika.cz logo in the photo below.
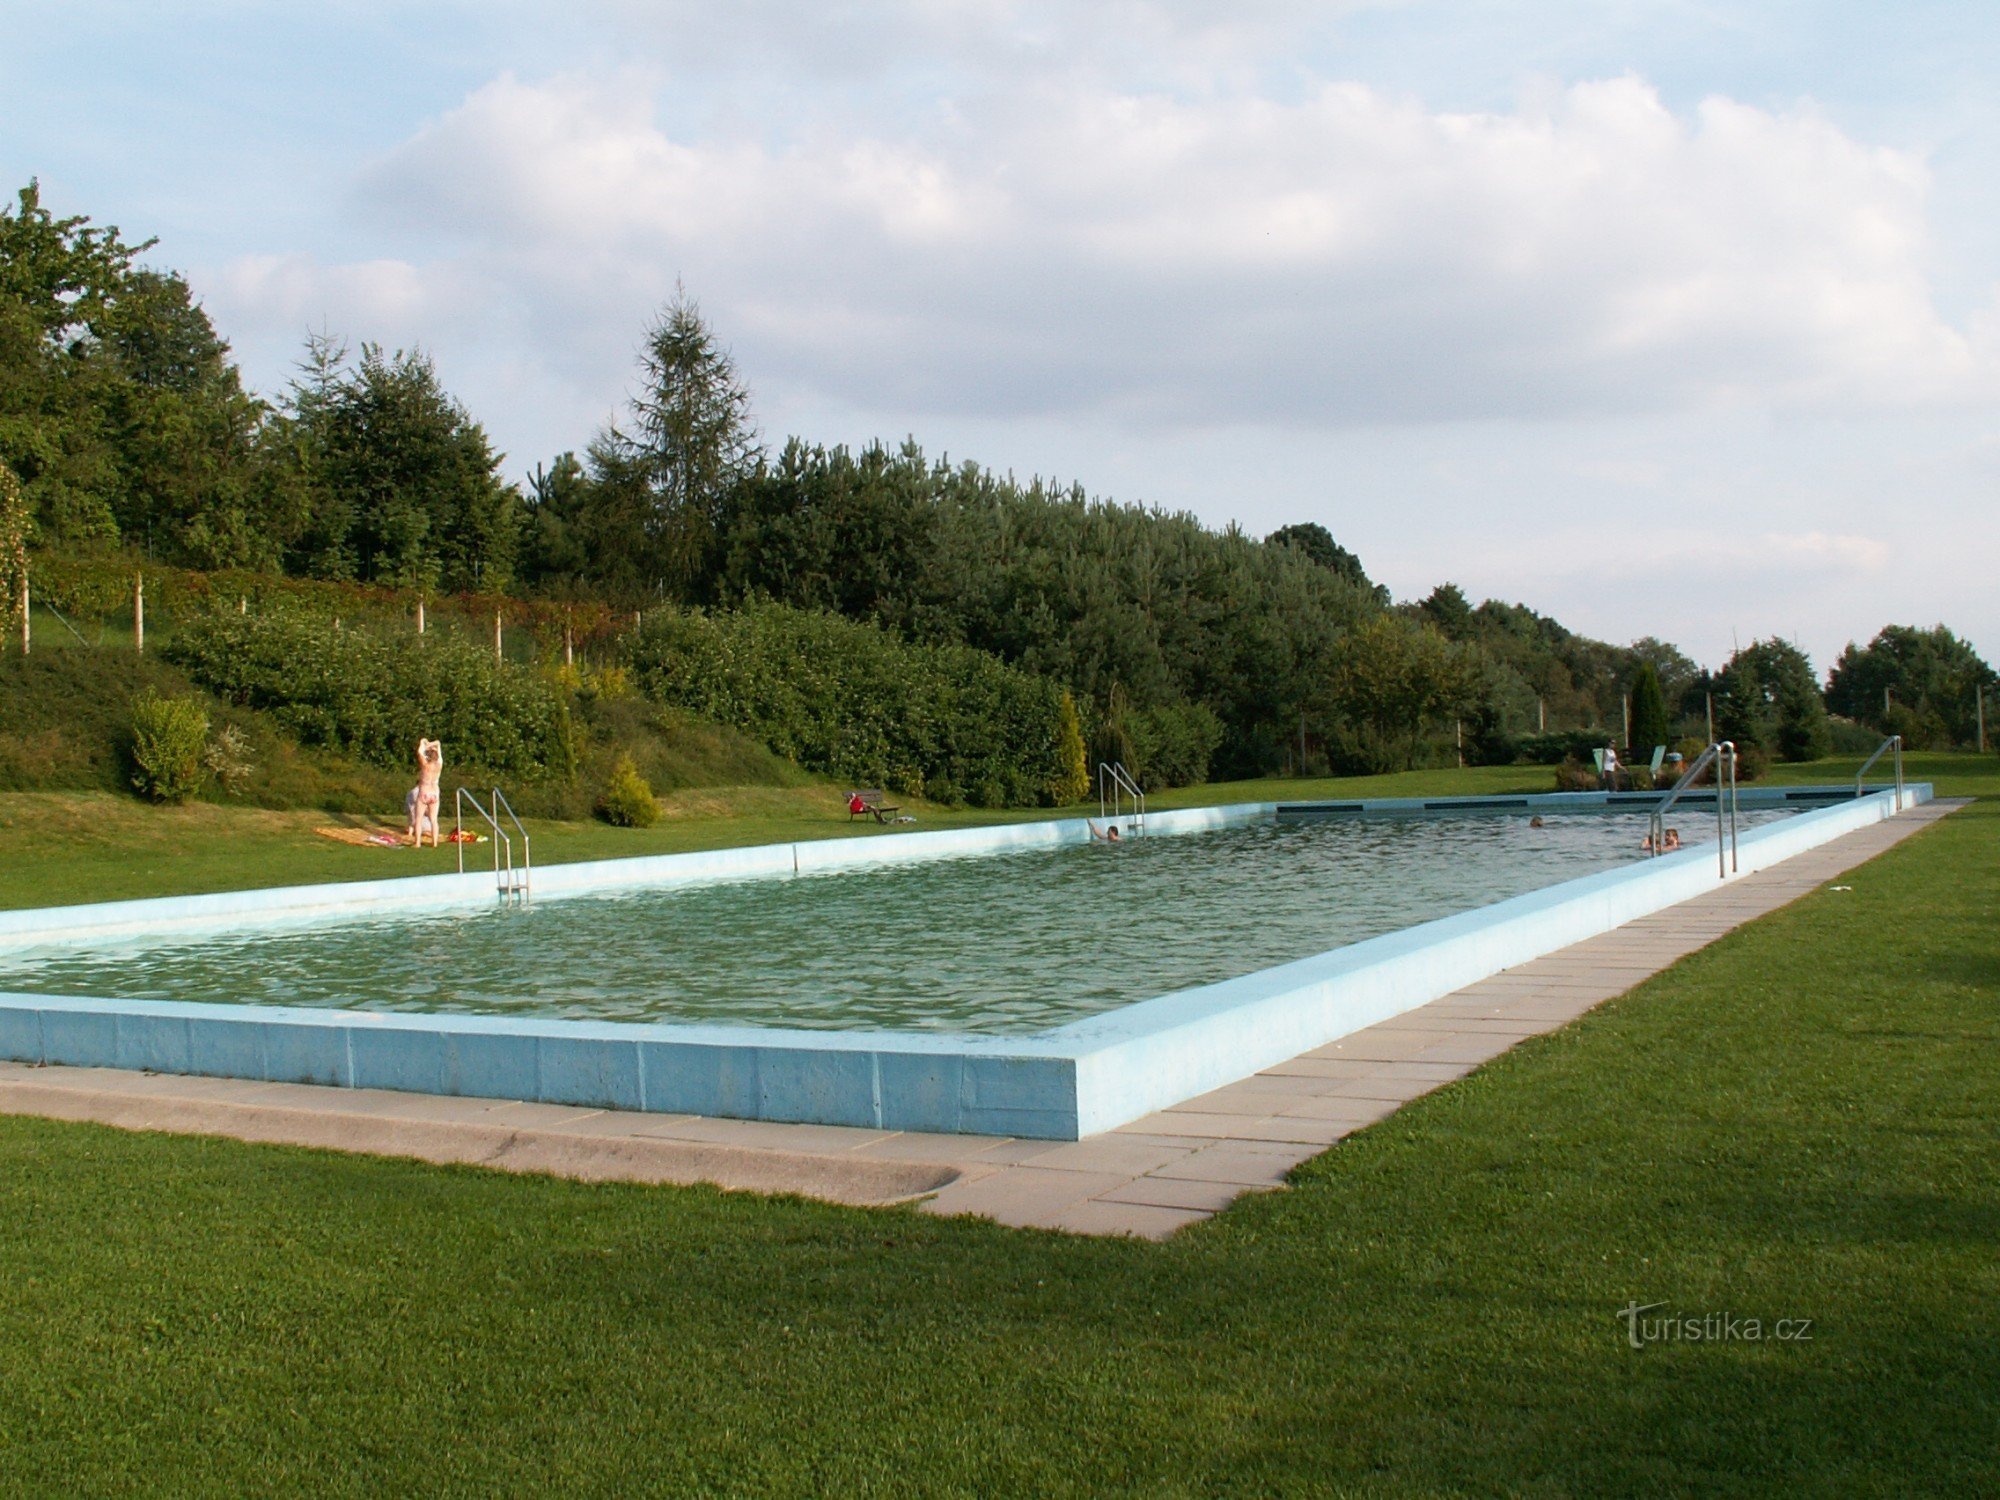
[1707,1328]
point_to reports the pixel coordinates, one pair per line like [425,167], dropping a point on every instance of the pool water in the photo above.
[1006,944]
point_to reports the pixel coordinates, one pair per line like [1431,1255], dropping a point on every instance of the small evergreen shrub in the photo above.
[627,801]
[169,746]
[1070,783]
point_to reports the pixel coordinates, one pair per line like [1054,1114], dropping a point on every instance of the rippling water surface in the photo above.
[1011,943]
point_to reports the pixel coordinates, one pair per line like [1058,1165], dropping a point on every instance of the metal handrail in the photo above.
[1895,742]
[1121,784]
[503,877]
[500,803]
[1722,755]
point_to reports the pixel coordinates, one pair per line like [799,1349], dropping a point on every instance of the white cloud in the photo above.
[1348,258]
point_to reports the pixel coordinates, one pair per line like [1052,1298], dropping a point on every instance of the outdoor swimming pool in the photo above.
[1002,980]
[1010,944]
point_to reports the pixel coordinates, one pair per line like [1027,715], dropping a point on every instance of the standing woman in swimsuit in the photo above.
[424,796]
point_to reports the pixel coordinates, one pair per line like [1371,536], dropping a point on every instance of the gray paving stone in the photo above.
[1231,1163]
[1138,1220]
[1173,1192]
[1022,1195]
[1109,1153]
[1170,1122]
[1355,1114]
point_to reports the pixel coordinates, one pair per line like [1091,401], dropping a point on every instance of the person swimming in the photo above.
[1109,833]
[422,803]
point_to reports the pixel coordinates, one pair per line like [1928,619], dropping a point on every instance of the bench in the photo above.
[872,805]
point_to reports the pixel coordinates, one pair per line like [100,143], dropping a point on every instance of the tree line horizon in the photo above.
[1204,650]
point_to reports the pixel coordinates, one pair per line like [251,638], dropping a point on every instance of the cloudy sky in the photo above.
[1675,318]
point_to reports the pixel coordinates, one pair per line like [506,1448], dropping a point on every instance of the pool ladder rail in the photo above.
[512,880]
[1115,789]
[1895,743]
[1722,756]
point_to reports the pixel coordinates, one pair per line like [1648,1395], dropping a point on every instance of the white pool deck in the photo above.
[1148,1178]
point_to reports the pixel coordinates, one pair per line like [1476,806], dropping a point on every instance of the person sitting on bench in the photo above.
[868,802]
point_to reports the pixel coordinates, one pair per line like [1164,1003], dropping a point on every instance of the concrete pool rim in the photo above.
[1076,1080]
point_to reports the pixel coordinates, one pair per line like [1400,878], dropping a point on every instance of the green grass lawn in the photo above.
[1799,1122]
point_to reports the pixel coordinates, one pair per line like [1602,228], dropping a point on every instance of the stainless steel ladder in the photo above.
[1894,742]
[1115,787]
[510,879]
[1721,755]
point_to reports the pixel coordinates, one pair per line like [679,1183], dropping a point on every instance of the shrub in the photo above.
[609,684]
[627,801]
[1920,730]
[228,759]
[1352,751]
[1174,743]
[856,702]
[1070,783]
[1574,775]
[1849,738]
[373,696]
[169,746]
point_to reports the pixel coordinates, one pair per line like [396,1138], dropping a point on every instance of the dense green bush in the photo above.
[1174,743]
[627,801]
[854,701]
[374,695]
[169,746]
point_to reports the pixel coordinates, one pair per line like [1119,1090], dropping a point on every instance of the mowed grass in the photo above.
[1799,1122]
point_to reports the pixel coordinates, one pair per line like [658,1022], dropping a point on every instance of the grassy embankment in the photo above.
[1797,1123]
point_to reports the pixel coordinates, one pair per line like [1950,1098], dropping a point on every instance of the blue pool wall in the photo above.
[1080,1079]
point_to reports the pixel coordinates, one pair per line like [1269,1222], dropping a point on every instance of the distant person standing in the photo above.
[422,803]
[1610,768]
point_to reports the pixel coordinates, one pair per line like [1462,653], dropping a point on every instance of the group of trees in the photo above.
[1926,685]
[1188,650]
[126,423]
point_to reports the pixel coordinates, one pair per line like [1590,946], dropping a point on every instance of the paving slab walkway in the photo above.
[1148,1178]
